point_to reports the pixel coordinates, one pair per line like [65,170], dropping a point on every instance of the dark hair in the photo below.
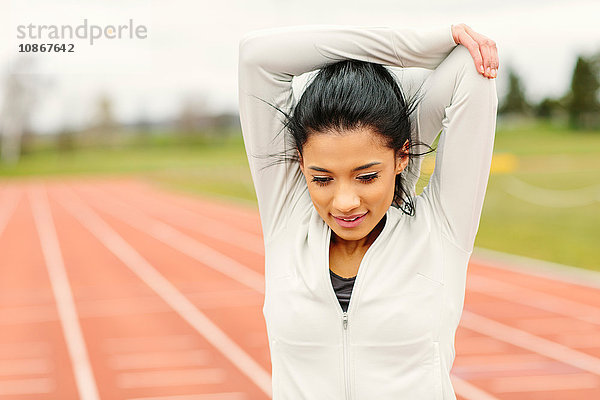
[352,94]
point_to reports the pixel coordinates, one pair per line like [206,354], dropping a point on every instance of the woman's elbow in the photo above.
[478,85]
[254,48]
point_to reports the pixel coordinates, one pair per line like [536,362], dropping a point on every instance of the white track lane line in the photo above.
[530,342]
[202,224]
[10,200]
[533,298]
[84,377]
[184,244]
[535,267]
[169,293]
[468,391]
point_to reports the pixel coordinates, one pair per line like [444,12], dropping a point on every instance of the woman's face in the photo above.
[350,174]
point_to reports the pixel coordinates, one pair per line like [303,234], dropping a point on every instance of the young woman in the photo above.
[365,282]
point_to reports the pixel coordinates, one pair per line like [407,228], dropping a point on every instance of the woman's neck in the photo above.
[353,247]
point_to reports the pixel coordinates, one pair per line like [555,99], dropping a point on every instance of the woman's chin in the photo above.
[357,233]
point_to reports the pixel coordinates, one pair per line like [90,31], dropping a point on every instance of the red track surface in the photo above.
[117,290]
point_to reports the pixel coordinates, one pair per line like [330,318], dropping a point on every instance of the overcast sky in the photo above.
[191,46]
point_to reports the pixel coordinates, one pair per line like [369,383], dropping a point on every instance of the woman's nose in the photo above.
[345,199]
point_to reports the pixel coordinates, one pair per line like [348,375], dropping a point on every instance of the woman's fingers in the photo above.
[475,51]
[489,53]
[494,57]
[490,56]
[482,49]
[485,53]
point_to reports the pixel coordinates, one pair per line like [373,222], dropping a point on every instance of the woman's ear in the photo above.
[401,163]
[402,158]
[300,161]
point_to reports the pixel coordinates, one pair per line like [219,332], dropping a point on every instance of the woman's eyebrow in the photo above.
[355,169]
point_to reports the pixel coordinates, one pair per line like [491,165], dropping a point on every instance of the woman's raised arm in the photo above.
[270,58]
[460,100]
[462,103]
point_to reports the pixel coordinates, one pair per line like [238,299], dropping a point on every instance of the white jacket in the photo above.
[397,339]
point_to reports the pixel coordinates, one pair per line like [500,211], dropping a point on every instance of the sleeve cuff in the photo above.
[447,30]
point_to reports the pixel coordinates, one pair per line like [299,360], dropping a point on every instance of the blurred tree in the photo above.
[582,101]
[65,141]
[104,120]
[227,121]
[515,101]
[103,128]
[143,124]
[548,108]
[192,114]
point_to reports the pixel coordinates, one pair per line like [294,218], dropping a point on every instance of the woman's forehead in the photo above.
[350,143]
[334,153]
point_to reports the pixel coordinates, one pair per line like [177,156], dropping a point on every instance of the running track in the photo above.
[113,289]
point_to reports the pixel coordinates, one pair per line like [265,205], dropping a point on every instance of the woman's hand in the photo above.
[482,48]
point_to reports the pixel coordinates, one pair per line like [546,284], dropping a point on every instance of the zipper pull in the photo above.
[345,319]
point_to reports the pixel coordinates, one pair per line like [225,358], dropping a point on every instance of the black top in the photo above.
[342,288]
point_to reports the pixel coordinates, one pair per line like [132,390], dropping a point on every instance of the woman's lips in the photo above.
[350,224]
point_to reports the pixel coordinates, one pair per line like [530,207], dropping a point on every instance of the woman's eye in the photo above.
[323,181]
[320,181]
[368,178]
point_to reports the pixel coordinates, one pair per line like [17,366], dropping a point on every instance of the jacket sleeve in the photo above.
[463,104]
[270,58]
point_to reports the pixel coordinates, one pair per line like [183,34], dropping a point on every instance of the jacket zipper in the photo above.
[346,360]
[345,313]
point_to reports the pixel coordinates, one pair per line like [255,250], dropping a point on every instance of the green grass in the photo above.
[568,235]
[551,159]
